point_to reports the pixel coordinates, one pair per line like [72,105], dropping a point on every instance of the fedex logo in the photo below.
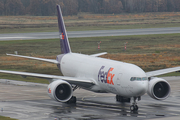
[62,36]
[106,76]
[49,90]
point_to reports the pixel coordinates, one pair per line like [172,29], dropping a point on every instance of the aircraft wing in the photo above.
[71,80]
[35,58]
[98,54]
[162,71]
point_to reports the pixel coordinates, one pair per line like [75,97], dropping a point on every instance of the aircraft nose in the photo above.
[141,88]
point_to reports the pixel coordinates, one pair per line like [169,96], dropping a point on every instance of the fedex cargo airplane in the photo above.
[127,81]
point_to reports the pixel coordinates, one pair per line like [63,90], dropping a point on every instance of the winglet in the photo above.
[64,42]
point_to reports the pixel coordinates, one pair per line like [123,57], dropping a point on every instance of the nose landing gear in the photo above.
[134,106]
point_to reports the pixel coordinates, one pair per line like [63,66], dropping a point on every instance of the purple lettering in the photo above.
[106,77]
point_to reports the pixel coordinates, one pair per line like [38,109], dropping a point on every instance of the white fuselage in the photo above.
[109,75]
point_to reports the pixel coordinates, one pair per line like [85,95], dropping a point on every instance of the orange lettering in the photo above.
[62,36]
[111,77]
[49,91]
[111,82]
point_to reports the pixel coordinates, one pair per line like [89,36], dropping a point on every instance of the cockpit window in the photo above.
[139,78]
[144,78]
[133,78]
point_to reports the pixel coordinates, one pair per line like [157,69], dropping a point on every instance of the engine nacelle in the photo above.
[158,89]
[60,91]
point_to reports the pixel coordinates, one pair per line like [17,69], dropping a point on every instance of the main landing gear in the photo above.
[73,98]
[122,99]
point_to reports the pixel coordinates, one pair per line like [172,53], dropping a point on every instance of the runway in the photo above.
[29,101]
[94,33]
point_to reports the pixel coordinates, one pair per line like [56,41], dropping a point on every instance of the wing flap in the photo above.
[162,71]
[71,80]
[35,58]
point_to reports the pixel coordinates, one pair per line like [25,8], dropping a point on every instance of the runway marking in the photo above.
[14,37]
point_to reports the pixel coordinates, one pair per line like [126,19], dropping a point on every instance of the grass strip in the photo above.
[6,118]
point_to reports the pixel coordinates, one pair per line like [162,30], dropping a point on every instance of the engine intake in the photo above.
[159,89]
[60,91]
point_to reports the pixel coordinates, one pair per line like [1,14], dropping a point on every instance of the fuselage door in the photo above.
[119,79]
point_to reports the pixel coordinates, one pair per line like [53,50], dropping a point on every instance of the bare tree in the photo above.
[13,7]
[1,8]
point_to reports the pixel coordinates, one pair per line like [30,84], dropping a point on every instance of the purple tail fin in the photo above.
[64,42]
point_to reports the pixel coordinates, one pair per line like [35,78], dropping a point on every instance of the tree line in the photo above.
[72,7]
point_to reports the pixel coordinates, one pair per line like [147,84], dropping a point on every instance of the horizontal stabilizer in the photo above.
[98,54]
[35,58]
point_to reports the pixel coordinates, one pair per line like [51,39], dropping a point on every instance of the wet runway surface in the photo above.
[29,101]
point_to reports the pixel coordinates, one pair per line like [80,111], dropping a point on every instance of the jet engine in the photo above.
[60,91]
[158,89]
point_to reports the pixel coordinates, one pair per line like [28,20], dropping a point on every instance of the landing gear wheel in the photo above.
[134,108]
[72,100]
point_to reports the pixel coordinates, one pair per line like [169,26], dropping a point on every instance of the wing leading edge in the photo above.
[71,80]
[162,71]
